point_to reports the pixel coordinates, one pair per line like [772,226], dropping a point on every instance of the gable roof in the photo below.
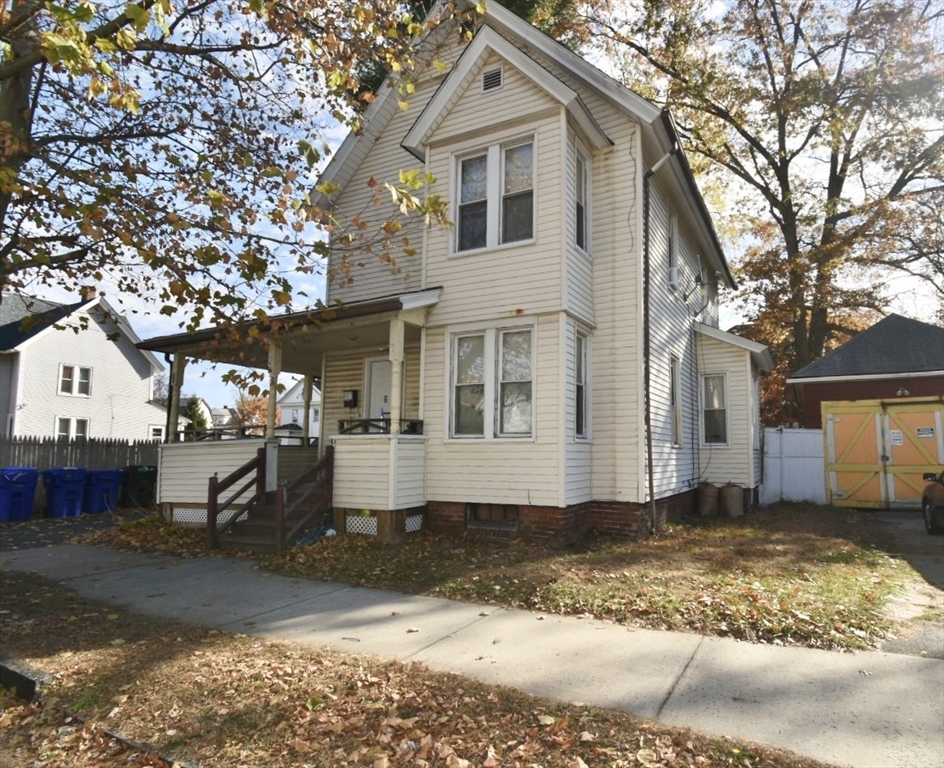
[894,345]
[19,331]
[760,353]
[658,128]
[24,317]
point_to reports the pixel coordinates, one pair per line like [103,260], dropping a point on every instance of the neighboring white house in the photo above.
[292,404]
[74,371]
[504,376]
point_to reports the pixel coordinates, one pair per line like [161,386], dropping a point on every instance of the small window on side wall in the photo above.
[714,410]
[492,515]
[580,385]
[582,201]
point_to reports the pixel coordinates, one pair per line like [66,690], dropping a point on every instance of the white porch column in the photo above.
[397,327]
[306,399]
[173,407]
[275,368]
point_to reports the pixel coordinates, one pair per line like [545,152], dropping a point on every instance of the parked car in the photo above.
[932,502]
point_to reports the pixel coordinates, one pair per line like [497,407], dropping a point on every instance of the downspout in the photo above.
[655,522]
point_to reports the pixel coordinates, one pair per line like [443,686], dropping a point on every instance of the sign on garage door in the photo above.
[877,451]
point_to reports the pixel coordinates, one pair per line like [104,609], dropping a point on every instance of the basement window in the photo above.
[503,516]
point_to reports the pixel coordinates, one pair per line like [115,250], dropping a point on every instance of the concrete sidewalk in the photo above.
[865,709]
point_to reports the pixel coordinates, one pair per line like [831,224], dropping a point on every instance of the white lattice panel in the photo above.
[414,523]
[367,525]
[190,516]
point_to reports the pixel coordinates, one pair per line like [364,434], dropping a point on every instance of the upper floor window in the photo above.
[714,409]
[492,392]
[675,274]
[294,415]
[496,196]
[582,201]
[74,380]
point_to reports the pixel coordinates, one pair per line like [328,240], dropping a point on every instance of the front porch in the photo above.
[367,358]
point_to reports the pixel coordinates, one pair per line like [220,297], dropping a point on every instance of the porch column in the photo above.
[396,373]
[173,407]
[275,368]
[306,399]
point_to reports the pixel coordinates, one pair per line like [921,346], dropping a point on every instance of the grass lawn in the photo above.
[218,700]
[792,574]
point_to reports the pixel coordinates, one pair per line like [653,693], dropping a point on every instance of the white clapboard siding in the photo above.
[579,263]
[379,471]
[120,383]
[732,463]
[184,469]
[577,452]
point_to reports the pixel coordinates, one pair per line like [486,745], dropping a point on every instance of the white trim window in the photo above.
[714,409]
[72,429]
[495,196]
[74,380]
[581,409]
[675,273]
[156,432]
[492,393]
[582,200]
[675,399]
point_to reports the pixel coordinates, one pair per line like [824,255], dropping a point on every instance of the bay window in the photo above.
[495,196]
[492,392]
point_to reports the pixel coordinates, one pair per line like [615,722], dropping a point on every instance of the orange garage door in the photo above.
[877,451]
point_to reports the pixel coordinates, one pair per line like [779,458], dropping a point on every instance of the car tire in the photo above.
[931,525]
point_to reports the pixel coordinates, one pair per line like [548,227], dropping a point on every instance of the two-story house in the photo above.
[74,371]
[552,362]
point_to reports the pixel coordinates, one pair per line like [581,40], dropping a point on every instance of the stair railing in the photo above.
[216,486]
[314,489]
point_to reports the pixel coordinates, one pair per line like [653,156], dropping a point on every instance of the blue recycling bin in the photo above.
[101,490]
[65,491]
[17,490]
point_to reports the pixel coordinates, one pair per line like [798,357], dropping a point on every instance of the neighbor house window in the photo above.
[675,400]
[72,428]
[496,197]
[580,386]
[294,415]
[74,380]
[581,200]
[714,409]
[157,432]
[492,393]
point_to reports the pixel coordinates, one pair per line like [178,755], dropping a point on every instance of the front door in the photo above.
[378,388]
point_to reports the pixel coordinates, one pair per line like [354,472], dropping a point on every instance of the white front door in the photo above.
[378,389]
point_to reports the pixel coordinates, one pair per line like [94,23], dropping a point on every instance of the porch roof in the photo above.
[305,336]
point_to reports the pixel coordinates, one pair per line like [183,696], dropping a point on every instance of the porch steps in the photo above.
[257,532]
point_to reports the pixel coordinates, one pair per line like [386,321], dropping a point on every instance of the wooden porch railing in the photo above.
[314,489]
[378,426]
[217,486]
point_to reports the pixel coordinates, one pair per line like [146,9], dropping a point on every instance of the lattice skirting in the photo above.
[359,524]
[195,516]
[414,523]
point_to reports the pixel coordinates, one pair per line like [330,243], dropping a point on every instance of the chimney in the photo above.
[87,292]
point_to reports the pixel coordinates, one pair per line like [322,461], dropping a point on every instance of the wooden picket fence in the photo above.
[93,453]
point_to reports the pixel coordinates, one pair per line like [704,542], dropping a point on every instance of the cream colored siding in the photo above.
[577,451]
[120,383]
[185,469]
[379,471]
[502,470]
[362,472]
[512,279]
[733,462]
[578,263]
[371,276]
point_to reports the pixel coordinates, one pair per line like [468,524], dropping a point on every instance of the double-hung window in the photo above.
[714,410]
[580,386]
[492,384]
[496,196]
[74,380]
[72,428]
[582,202]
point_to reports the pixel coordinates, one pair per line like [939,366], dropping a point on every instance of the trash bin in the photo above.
[17,489]
[101,490]
[65,490]
[137,486]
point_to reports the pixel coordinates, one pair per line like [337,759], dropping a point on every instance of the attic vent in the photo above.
[492,80]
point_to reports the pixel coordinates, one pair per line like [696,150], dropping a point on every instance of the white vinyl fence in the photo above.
[794,468]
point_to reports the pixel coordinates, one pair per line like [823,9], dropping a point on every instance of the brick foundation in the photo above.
[563,524]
